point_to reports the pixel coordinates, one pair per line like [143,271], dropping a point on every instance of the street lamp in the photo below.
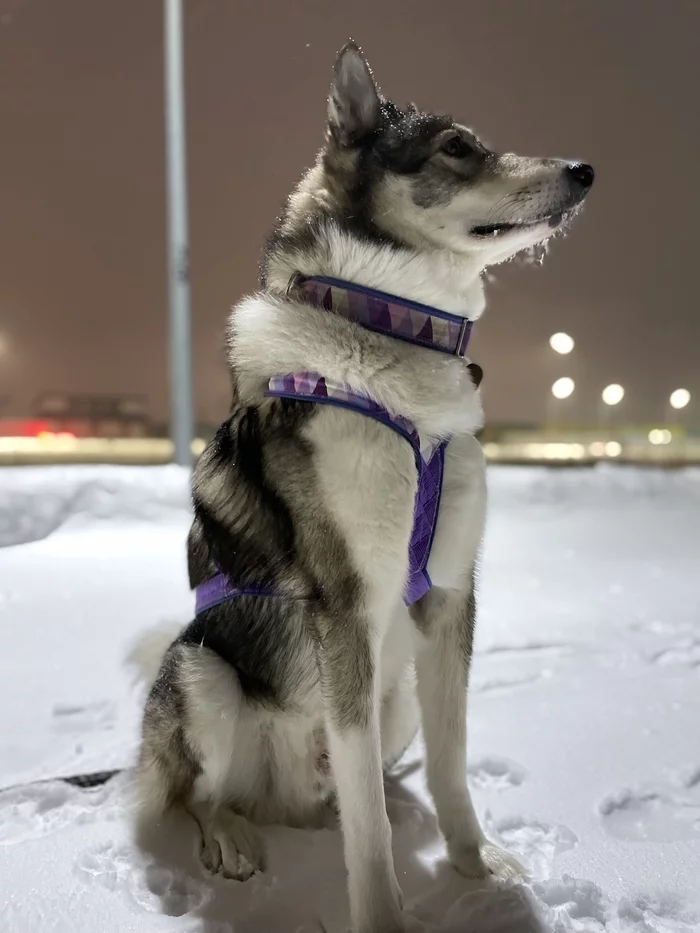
[563,387]
[561,343]
[660,436]
[612,448]
[613,394]
[679,398]
[177,240]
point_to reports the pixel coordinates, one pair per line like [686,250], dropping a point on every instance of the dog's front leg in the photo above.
[349,659]
[446,619]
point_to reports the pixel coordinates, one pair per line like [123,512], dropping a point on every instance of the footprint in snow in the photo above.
[536,843]
[574,899]
[83,717]
[685,653]
[530,649]
[660,627]
[663,913]
[153,887]
[506,667]
[502,684]
[37,810]
[655,814]
[496,774]
[690,778]
[571,905]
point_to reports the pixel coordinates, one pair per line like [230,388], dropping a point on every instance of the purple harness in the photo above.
[404,320]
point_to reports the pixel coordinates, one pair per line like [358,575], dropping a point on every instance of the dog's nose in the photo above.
[476,372]
[580,173]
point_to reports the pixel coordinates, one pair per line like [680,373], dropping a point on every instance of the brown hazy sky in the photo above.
[82,263]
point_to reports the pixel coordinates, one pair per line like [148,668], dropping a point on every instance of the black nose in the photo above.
[476,372]
[580,173]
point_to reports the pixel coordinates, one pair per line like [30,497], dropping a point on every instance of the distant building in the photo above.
[82,416]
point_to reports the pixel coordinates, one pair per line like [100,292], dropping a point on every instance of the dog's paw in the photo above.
[501,863]
[484,859]
[231,846]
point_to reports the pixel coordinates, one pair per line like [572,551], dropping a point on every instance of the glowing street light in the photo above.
[660,436]
[679,398]
[563,387]
[561,343]
[613,394]
[613,449]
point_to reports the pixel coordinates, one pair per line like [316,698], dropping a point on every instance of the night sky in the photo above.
[82,261]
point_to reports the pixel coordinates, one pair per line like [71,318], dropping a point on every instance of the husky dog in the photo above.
[304,672]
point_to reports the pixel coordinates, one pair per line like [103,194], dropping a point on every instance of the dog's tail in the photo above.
[146,653]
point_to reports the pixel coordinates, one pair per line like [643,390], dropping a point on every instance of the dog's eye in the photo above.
[455,147]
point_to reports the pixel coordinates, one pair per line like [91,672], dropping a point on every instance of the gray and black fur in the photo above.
[257,700]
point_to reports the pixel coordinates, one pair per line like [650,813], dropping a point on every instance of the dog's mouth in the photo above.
[496,230]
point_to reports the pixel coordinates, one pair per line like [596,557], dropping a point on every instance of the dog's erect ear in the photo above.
[354,106]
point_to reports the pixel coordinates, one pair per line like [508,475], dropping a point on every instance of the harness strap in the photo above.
[430,462]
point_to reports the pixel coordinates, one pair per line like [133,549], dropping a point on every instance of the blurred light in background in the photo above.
[563,387]
[660,436]
[679,398]
[657,446]
[561,343]
[613,449]
[613,394]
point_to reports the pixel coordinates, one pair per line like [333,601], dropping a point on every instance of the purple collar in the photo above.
[386,314]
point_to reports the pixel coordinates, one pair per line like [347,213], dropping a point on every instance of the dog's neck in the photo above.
[438,279]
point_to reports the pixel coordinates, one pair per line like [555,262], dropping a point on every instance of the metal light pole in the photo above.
[178,248]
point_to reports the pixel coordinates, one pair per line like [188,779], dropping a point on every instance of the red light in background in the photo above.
[22,427]
[33,428]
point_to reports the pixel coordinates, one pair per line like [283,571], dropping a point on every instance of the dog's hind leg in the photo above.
[191,730]
[168,766]
[446,619]
[220,730]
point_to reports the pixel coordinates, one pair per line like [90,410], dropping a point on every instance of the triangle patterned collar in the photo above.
[385,314]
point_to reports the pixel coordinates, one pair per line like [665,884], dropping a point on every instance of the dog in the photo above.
[317,646]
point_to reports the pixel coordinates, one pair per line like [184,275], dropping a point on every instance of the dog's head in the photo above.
[425,181]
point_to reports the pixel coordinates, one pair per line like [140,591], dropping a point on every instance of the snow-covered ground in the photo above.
[584,717]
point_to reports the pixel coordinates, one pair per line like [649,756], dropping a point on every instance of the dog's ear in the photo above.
[354,106]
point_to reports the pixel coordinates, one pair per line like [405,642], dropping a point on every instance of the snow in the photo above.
[35,501]
[584,733]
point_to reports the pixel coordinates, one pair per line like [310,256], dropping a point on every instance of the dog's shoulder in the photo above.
[272,335]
